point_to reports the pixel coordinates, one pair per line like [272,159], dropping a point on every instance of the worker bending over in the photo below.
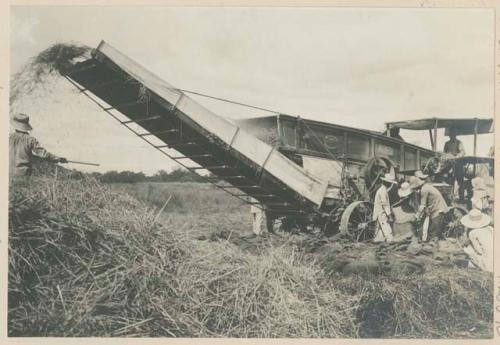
[431,204]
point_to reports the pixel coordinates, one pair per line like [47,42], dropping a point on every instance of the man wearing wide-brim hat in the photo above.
[432,204]
[382,212]
[480,246]
[23,147]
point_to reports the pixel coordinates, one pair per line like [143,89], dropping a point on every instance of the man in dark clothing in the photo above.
[393,132]
[453,149]
[22,148]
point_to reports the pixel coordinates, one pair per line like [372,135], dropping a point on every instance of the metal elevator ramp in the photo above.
[161,123]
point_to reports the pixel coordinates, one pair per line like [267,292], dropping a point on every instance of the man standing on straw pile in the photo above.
[22,148]
[431,204]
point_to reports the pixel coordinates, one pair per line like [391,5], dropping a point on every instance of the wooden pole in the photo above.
[475,144]
[84,163]
[281,135]
[435,135]
[475,137]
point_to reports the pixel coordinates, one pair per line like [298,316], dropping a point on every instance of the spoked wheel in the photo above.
[432,166]
[376,167]
[452,225]
[356,222]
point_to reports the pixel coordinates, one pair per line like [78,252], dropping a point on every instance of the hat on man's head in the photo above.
[415,182]
[475,219]
[21,122]
[388,178]
[405,190]
[421,175]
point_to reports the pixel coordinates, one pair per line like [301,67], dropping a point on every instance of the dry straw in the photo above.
[52,61]
[87,261]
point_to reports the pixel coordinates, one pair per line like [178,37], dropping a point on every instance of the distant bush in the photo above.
[176,175]
[121,177]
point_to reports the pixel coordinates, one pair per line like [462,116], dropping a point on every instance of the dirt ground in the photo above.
[216,217]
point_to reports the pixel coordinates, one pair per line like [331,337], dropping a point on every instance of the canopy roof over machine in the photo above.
[462,126]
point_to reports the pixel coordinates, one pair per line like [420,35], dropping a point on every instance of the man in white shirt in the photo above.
[382,212]
[480,245]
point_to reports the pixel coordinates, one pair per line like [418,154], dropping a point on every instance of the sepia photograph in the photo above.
[251,172]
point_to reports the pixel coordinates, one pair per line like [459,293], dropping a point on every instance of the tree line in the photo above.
[176,175]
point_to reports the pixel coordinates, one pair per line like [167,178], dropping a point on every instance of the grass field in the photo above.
[87,259]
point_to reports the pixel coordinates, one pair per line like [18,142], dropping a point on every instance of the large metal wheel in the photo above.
[432,166]
[375,168]
[356,222]
[452,225]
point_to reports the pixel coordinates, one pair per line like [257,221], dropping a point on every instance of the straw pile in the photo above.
[86,261]
[51,62]
[440,303]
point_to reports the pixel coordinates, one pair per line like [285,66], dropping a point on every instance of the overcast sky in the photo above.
[355,67]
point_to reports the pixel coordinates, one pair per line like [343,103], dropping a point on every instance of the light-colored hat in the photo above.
[421,175]
[388,178]
[415,182]
[21,122]
[405,190]
[478,183]
[475,219]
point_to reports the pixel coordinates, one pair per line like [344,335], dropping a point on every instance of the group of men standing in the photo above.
[431,209]
[430,203]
